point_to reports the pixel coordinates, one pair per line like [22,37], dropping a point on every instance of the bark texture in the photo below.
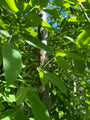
[43,35]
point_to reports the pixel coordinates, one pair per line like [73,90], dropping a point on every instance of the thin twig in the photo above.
[32,9]
[85,14]
[34,6]
[49,62]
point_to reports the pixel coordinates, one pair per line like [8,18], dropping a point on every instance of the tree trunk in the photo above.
[42,35]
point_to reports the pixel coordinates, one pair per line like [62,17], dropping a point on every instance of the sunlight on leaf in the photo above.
[83,38]
[62,54]
[77,19]
[31,119]
[7,114]
[9,5]
[2,24]
[81,0]
[69,38]
[11,62]
[10,98]
[5,32]
[67,5]
[69,54]
[6,118]
[38,108]
[43,78]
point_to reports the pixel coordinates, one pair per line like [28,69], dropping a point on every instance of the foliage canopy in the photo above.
[68,27]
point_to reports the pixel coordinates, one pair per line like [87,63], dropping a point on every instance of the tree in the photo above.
[68,49]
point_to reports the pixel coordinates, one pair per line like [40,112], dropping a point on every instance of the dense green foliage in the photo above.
[68,49]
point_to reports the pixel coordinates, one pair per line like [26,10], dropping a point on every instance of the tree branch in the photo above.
[85,14]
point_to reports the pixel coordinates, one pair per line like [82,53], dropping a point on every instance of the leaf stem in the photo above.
[49,62]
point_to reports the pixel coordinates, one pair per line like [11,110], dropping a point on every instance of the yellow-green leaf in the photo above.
[81,0]
[77,19]
[42,76]
[9,5]
[83,38]
[2,24]
[69,54]
[67,5]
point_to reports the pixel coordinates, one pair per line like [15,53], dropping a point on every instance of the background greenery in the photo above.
[68,49]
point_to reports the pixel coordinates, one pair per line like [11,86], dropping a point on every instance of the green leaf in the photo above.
[14,38]
[31,119]
[81,0]
[10,98]
[62,63]
[69,38]
[69,54]
[30,21]
[6,118]
[83,38]
[20,115]
[9,5]
[80,66]
[8,113]
[5,32]
[88,64]
[21,5]
[0,59]
[43,3]
[52,11]
[38,4]
[71,1]
[66,102]
[21,95]
[32,3]
[36,43]
[59,2]
[2,24]
[66,5]
[11,62]
[77,18]
[38,107]
[2,107]
[43,78]
[55,80]
[49,28]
